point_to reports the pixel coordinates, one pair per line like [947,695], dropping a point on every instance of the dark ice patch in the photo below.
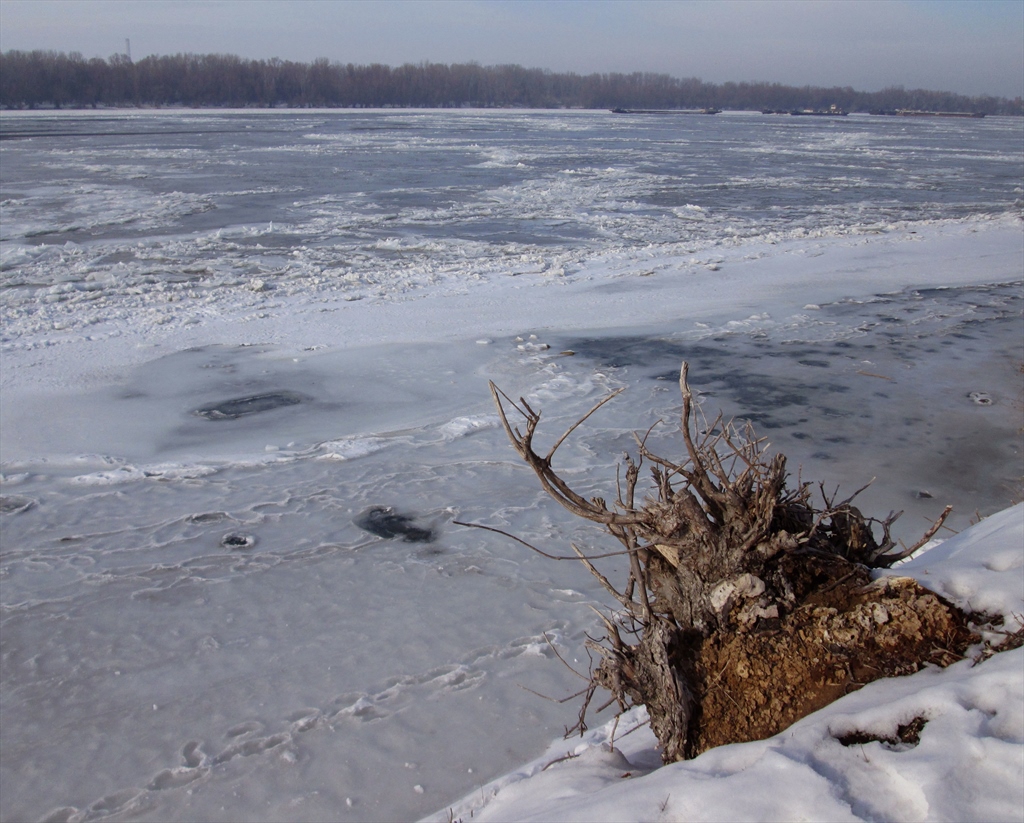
[253,404]
[384,521]
[12,504]
[237,542]
[632,350]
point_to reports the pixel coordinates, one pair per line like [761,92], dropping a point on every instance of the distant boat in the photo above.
[709,110]
[832,111]
[915,113]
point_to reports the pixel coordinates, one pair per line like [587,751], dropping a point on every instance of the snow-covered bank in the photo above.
[967,765]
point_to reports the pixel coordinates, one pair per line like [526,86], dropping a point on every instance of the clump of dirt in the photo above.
[907,736]
[752,685]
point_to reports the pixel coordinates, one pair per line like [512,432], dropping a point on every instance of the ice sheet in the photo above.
[193,625]
[307,669]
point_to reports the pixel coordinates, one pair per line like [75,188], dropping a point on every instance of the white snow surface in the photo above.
[968,765]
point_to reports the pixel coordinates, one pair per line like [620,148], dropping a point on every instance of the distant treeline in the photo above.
[46,78]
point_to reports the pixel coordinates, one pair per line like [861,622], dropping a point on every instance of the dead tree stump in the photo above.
[749,606]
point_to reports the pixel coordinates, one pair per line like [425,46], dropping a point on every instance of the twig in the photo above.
[579,422]
[928,535]
[603,580]
[615,726]
[839,581]
[568,756]
[647,722]
[559,656]
[850,499]
[552,699]
[534,548]
[881,376]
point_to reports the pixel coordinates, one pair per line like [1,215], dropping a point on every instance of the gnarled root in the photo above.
[730,568]
[656,673]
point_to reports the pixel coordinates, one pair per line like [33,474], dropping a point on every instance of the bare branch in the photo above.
[928,535]
[553,699]
[579,422]
[625,601]
[534,548]
[552,483]
[559,656]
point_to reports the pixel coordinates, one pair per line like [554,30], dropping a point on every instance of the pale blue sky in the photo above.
[968,46]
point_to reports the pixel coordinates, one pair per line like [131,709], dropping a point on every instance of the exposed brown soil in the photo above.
[752,685]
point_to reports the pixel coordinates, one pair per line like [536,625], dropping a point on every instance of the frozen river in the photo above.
[227,336]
